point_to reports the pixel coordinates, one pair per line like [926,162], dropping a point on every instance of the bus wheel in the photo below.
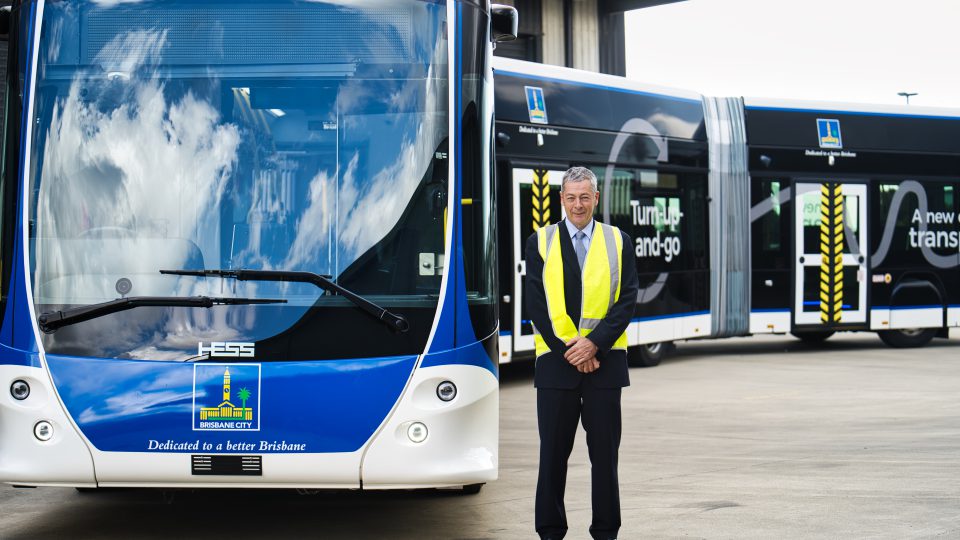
[907,337]
[648,355]
[814,336]
[471,489]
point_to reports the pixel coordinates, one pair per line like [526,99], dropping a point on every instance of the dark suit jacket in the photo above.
[552,370]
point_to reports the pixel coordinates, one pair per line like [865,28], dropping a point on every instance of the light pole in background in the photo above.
[907,95]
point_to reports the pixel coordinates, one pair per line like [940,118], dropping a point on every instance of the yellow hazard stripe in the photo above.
[540,197]
[824,253]
[838,253]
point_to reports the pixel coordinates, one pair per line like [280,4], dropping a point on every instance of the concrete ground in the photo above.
[761,437]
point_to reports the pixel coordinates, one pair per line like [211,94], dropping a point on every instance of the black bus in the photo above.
[749,216]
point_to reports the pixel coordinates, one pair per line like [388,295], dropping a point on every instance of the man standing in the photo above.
[581,289]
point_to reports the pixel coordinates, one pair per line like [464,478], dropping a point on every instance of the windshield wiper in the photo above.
[50,322]
[395,322]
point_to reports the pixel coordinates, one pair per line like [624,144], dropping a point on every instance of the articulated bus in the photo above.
[749,216]
[249,244]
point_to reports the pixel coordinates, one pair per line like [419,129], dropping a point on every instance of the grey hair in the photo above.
[579,174]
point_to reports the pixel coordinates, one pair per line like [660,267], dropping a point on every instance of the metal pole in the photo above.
[907,95]
[568,33]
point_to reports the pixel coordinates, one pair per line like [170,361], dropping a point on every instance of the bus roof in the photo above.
[865,109]
[533,70]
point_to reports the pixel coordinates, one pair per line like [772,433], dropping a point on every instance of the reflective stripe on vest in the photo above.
[601,283]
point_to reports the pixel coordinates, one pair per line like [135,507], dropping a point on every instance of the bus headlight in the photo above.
[446,391]
[43,430]
[20,390]
[417,432]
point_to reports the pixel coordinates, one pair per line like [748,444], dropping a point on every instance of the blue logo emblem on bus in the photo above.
[536,106]
[829,131]
[226,397]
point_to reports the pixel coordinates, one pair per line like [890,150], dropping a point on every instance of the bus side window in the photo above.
[770,242]
[771,226]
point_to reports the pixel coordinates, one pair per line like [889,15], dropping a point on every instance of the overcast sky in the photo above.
[861,51]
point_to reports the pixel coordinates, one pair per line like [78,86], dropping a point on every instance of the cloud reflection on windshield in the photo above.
[137,164]
[130,179]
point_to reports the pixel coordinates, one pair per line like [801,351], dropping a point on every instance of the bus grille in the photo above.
[227,465]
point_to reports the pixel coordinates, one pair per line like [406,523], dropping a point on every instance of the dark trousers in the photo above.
[558,412]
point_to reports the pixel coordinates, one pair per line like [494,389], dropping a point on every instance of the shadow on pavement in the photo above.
[241,514]
[764,345]
[520,372]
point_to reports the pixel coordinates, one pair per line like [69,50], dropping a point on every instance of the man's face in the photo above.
[579,199]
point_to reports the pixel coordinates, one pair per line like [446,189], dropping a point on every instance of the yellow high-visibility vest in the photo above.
[601,283]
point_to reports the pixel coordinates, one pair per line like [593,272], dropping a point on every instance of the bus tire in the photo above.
[471,489]
[907,337]
[817,336]
[648,355]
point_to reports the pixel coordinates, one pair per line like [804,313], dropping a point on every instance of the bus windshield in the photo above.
[291,136]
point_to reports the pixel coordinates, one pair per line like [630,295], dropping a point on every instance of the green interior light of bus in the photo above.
[674,214]
[661,205]
[775,196]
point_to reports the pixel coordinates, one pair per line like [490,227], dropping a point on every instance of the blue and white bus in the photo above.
[249,244]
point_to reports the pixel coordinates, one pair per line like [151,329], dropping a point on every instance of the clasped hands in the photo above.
[582,354]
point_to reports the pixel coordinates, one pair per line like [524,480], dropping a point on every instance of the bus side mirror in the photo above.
[503,23]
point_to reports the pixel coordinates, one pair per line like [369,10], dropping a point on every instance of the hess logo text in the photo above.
[227,349]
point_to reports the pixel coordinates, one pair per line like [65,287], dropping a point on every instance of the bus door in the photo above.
[536,203]
[831,254]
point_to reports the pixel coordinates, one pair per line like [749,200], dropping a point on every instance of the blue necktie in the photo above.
[579,247]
